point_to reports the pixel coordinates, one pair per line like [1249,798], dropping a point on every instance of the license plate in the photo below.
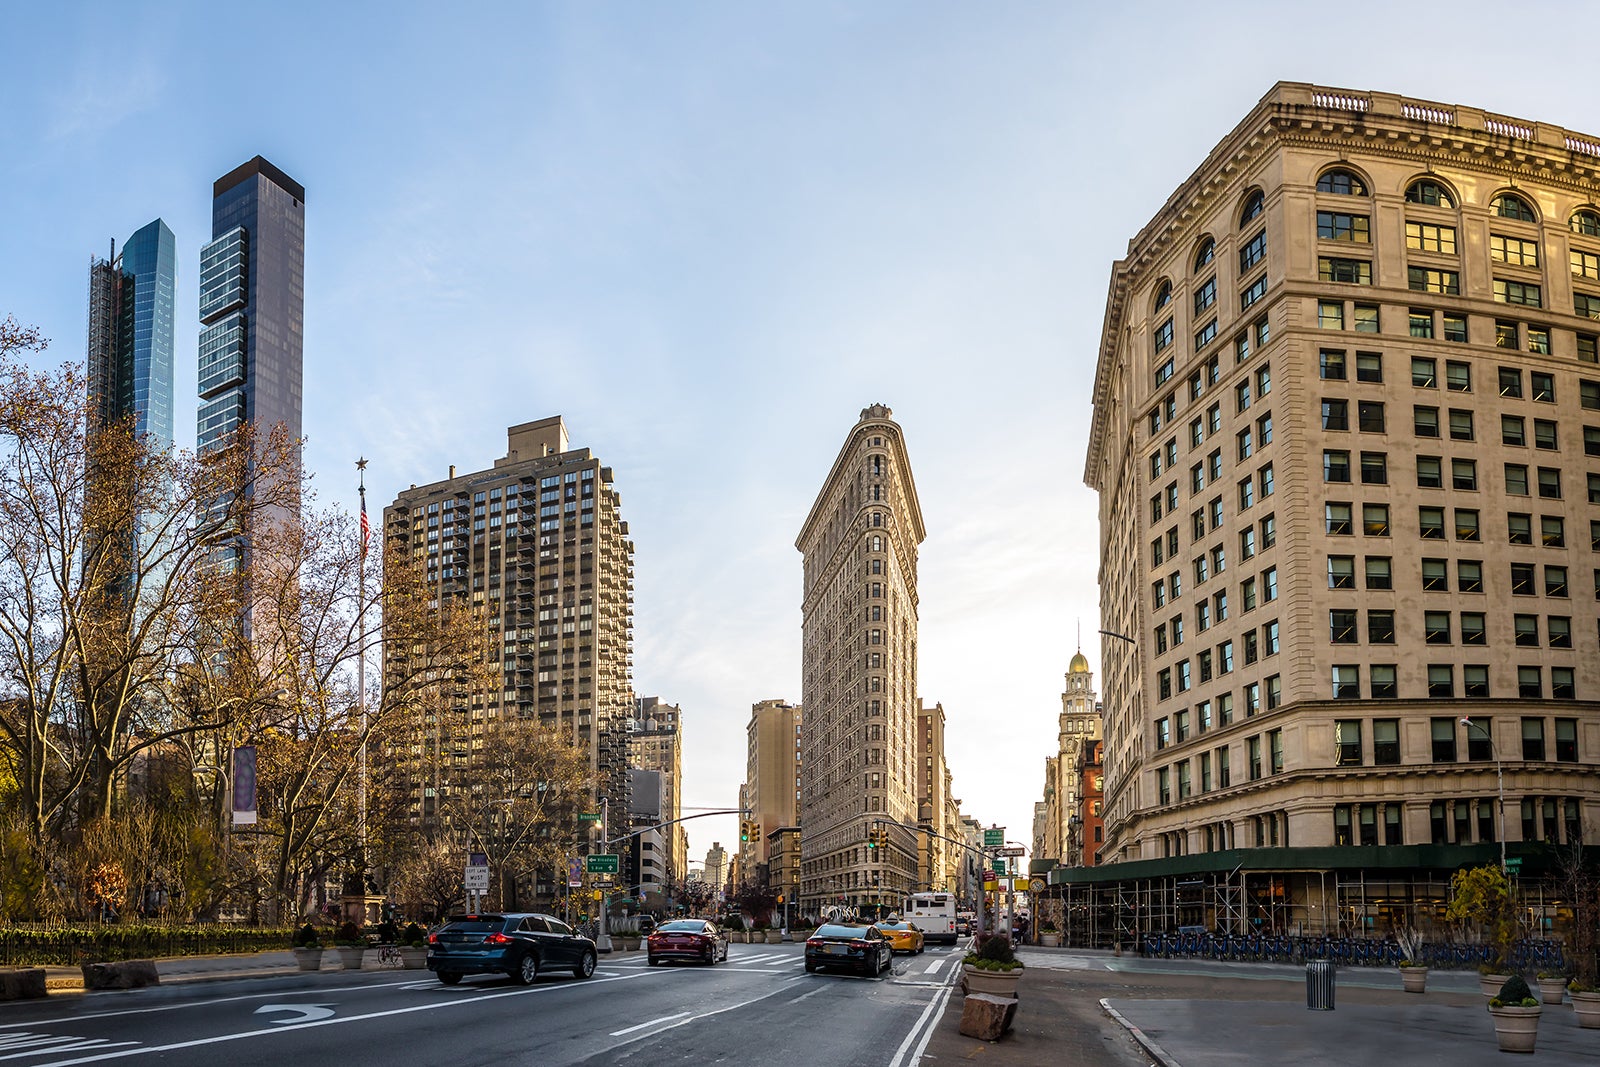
[835,950]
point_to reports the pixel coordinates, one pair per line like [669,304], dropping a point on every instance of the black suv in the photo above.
[519,944]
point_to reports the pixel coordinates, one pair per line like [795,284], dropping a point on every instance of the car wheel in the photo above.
[887,963]
[654,962]
[586,963]
[449,977]
[527,970]
[810,967]
[710,956]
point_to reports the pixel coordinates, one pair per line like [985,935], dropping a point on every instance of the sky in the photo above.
[708,235]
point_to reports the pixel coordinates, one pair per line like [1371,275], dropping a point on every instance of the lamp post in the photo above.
[1500,781]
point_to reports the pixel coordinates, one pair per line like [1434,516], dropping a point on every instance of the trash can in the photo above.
[1319,985]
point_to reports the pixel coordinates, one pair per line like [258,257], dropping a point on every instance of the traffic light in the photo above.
[747,830]
[872,837]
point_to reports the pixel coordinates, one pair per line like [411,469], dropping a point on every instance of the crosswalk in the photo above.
[930,966]
[21,1044]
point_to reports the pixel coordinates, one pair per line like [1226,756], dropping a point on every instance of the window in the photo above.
[1341,572]
[1374,468]
[1435,576]
[1430,280]
[1505,334]
[1443,733]
[1330,315]
[1380,626]
[1379,570]
[1254,251]
[1335,414]
[1589,394]
[1245,447]
[1555,582]
[1457,376]
[1375,520]
[1455,329]
[1342,626]
[1252,207]
[1530,683]
[1475,680]
[1432,193]
[1566,740]
[1347,740]
[1583,221]
[1558,628]
[1338,226]
[1460,425]
[1514,250]
[1429,472]
[1516,479]
[1423,372]
[1472,628]
[1511,382]
[1335,465]
[1424,421]
[1420,323]
[1205,295]
[1589,346]
[1550,483]
[1332,365]
[1344,183]
[1346,271]
[1428,237]
[1524,293]
[1341,825]
[1561,683]
[1163,338]
[1522,579]
[1513,430]
[1585,264]
[1254,746]
[1519,528]
[1552,531]
[1369,416]
[1247,542]
[1205,335]
[1463,474]
[1385,741]
[1269,585]
[1253,293]
[1591,440]
[1539,340]
[1466,524]
[1533,739]
[1543,389]
[1430,523]
[1469,575]
[1369,367]
[1436,627]
[1382,679]
[1441,681]
[1336,518]
[1274,745]
[1512,206]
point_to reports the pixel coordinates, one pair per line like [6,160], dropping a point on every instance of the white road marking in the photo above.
[82,1043]
[803,996]
[934,966]
[302,1012]
[780,961]
[935,1009]
[652,1022]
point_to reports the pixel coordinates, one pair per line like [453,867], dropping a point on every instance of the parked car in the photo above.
[519,944]
[687,939]
[647,923]
[903,936]
[864,949]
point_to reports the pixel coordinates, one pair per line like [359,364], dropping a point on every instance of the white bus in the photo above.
[934,914]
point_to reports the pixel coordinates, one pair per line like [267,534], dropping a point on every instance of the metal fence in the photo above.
[36,945]
[1526,955]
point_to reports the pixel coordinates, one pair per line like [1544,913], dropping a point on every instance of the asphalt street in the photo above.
[761,1005]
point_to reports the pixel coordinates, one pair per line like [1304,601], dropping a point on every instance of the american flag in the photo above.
[366,527]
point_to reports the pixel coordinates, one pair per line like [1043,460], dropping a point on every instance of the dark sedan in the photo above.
[863,949]
[519,944]
[687,939]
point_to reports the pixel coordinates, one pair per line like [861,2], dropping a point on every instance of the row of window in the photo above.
[1437,629]
[1436,576]
[1339,521]
[1550,819]
[1441,681]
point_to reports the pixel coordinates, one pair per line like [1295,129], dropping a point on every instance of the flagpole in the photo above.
[361,671]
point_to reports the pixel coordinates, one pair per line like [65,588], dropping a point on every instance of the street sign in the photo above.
[602,863]
[588,816]
[1013,851]
[998,866]
[477,879]
[1513,864]
[994,838]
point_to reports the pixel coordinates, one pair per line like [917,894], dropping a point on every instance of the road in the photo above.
[760,1006]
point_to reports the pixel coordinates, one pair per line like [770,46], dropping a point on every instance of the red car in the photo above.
[696,940]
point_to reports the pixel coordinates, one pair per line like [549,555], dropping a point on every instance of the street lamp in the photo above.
[1500,781]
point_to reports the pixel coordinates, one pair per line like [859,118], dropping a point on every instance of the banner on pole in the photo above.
[244,785]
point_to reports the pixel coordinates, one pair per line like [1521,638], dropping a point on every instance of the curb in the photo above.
[1138,1035]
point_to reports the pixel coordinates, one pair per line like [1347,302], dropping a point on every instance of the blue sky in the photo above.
[708,235]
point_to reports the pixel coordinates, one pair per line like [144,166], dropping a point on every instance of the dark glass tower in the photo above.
[130,333]
[252,304]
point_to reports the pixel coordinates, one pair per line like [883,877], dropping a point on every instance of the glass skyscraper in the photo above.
[252,304]
[130,333]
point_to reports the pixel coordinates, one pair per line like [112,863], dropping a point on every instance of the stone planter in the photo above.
[1551,990]
[774,937]
[1050,940]
[308,959]
[1415,979]
[1490,983]
[350,956]
[1515,1028]
[1587,1008]
[1000,983]
[413,957]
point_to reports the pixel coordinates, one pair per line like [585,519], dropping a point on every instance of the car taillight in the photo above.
[498,939]
[700,939]
[433,939]
[813,942]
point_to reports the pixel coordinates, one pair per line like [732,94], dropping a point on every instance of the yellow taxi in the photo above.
[903,936]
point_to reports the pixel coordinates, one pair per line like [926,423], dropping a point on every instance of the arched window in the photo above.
[1586,222]
[1163,295]
[1207,252]
[1427,191]
[1341,182]
[1253,206]
[1512,206]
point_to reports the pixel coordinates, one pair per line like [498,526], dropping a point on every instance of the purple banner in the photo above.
[244,785]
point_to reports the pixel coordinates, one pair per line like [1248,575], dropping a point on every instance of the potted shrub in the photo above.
[1413,970]
[993,968]
[351,945]
[1049,936]
[413,947]
[1482,895]
[307,948]
[1516,1016]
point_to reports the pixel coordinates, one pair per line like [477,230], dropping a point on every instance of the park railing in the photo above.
[68,945]
[1530,956]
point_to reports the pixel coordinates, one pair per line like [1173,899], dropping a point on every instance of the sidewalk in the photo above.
[1089,1008]
[179,969]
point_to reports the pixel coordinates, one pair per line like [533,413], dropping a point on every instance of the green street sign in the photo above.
[999,866]
[588,816]
[602,863]
[994,838]
[1513,864]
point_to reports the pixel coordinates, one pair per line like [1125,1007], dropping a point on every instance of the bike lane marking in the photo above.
[652,1022]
